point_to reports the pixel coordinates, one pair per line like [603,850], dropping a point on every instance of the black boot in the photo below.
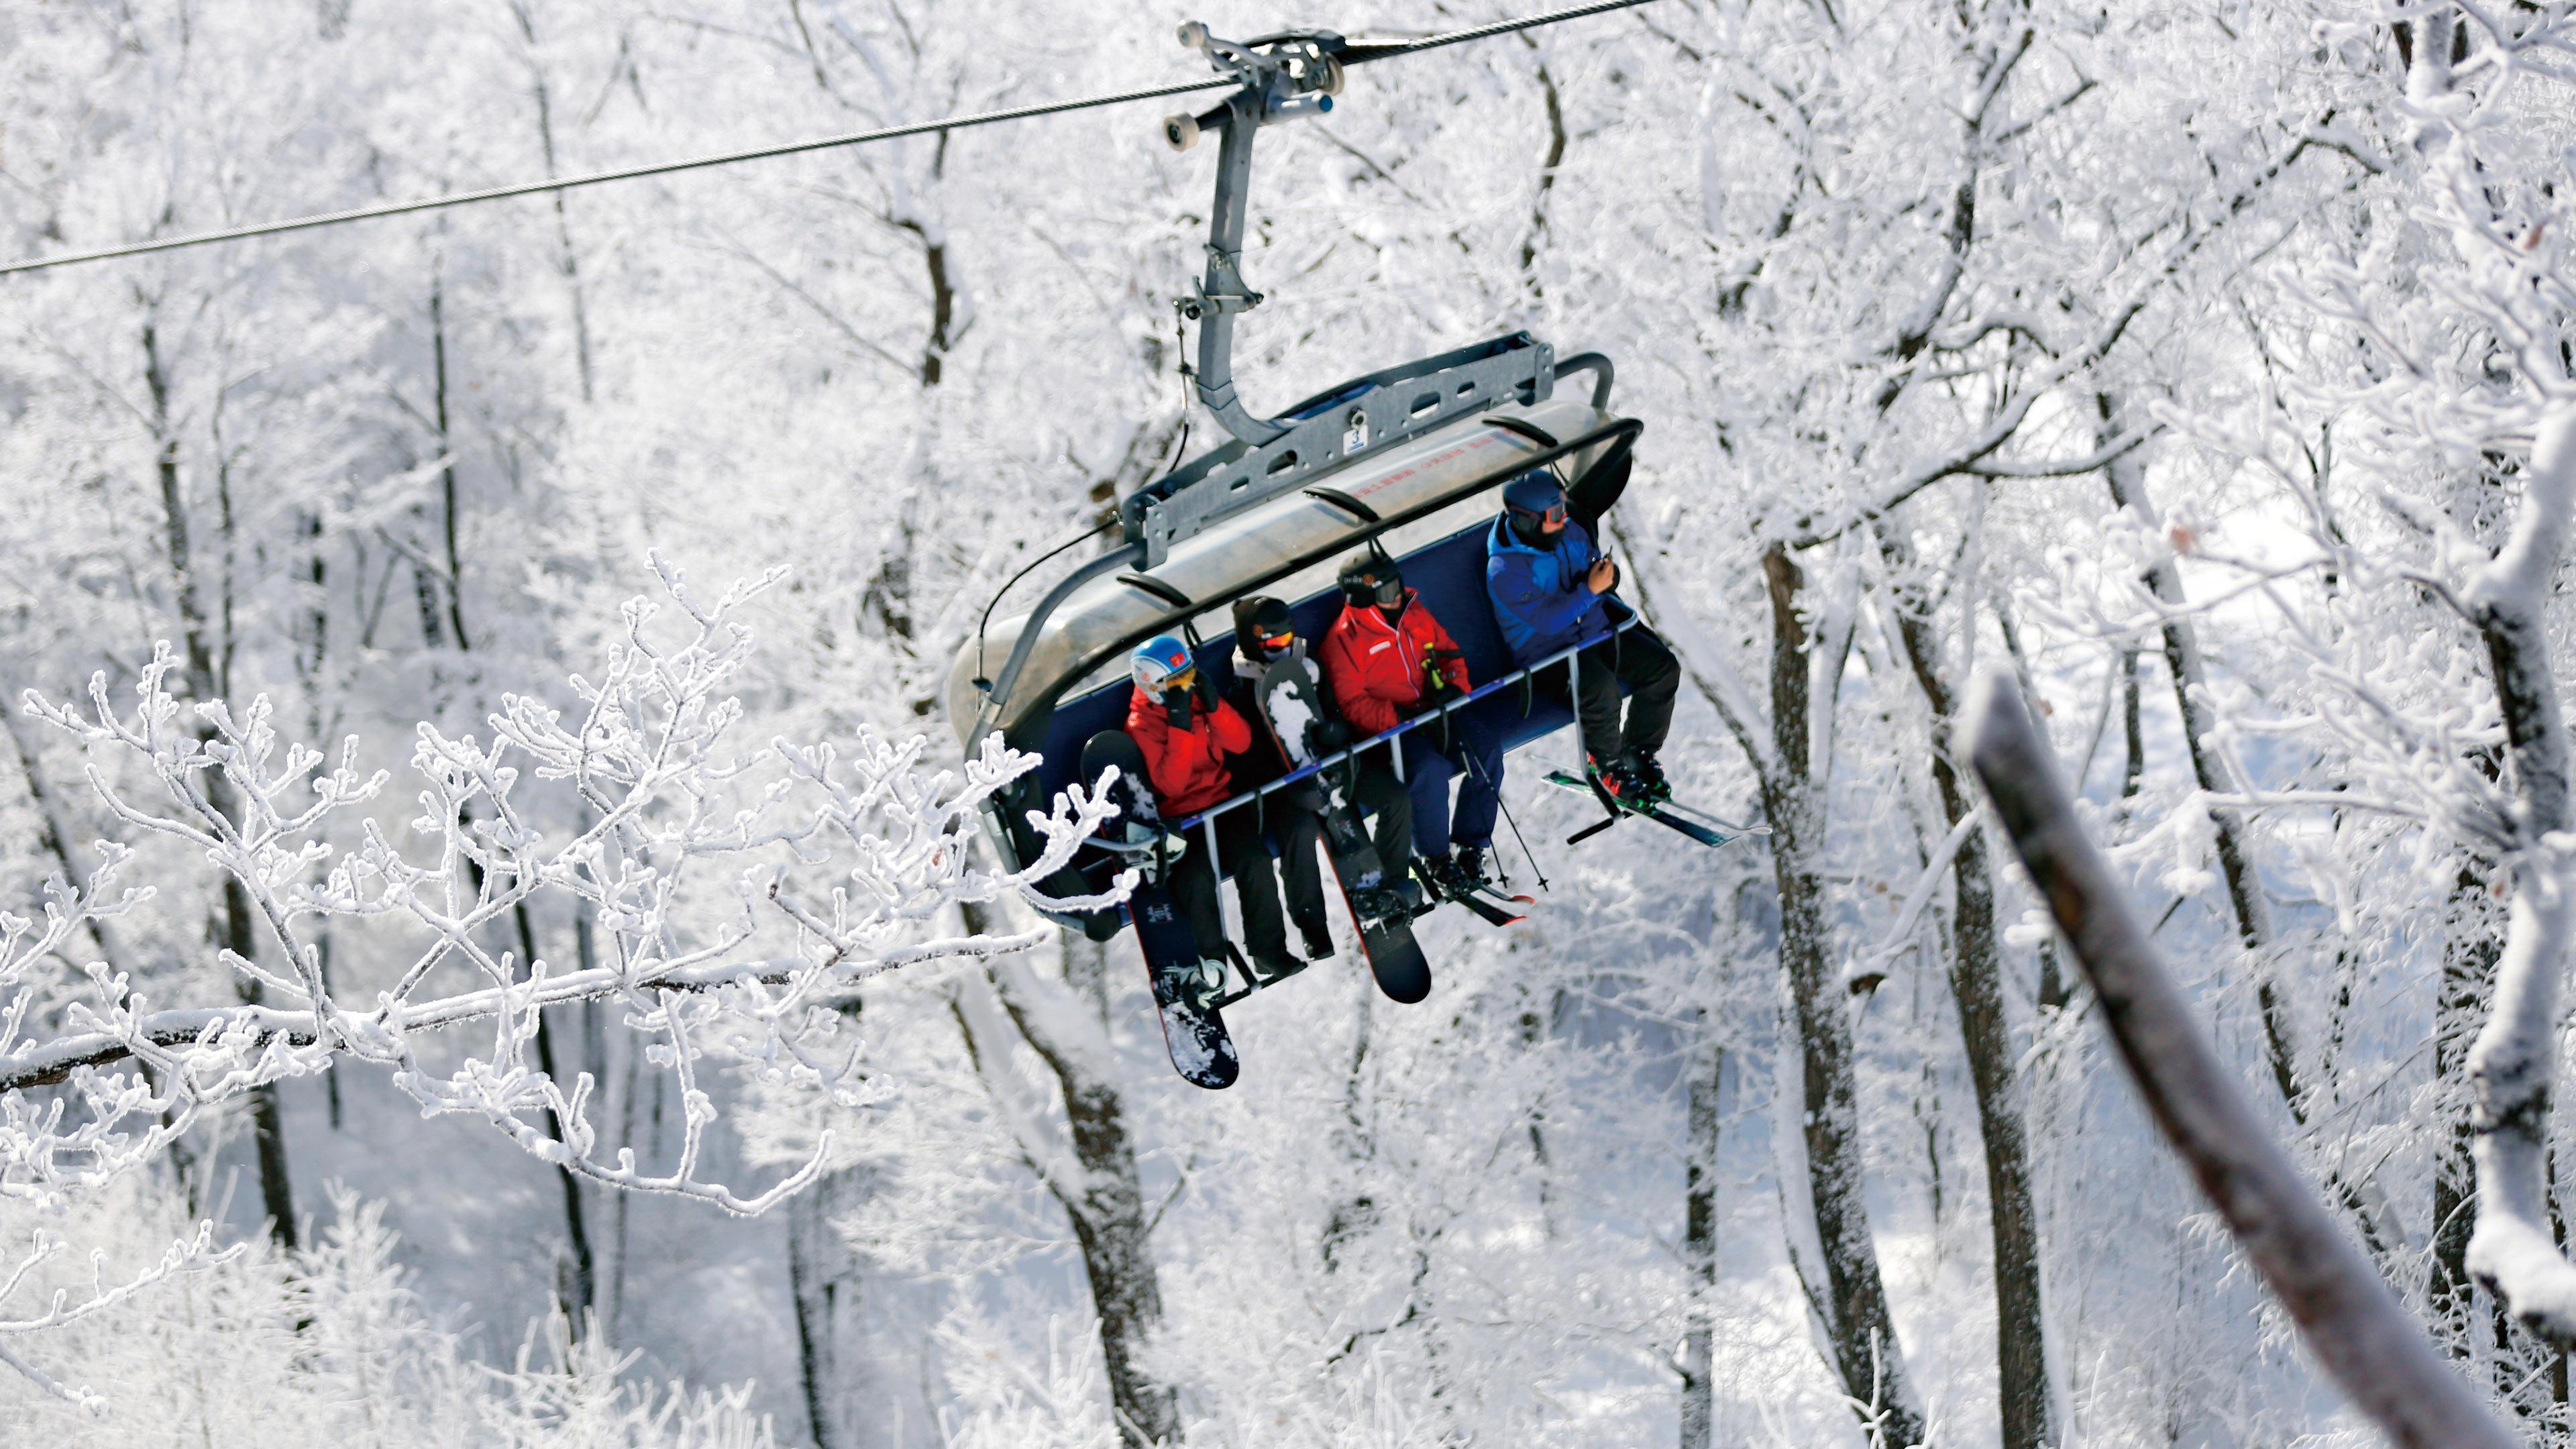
[1471,867]
[1317,936]
[1440,876]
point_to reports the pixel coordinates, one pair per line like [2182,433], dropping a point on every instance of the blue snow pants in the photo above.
[1471,749]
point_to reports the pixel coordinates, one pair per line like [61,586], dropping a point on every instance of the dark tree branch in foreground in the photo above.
[2355,1328]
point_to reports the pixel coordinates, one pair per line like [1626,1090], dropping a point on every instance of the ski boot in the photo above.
[1620,779]
[1440,877]
[1470,864]
[1653,788]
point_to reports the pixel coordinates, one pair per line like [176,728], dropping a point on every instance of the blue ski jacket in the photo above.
[1539,597]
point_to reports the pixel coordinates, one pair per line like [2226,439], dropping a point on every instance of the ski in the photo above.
[1186,982]
[1705,834]
[1290,702]
[1492,910]
[1489,904]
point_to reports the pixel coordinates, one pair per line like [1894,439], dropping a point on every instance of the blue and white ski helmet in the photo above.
[1157,661]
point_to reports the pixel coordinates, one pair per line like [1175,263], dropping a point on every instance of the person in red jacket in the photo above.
[1386,659]
[1187,733]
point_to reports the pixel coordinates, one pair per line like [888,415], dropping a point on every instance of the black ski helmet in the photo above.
[1258,619]
[1370,577]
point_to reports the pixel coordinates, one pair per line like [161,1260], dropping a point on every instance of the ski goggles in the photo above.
[1554,517]
[1180,679]
[1275,643]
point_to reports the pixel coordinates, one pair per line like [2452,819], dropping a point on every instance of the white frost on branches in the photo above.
[193,1253]
[739,896]
[2414,609]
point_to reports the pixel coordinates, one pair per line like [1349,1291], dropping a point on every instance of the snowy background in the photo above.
[2113,343]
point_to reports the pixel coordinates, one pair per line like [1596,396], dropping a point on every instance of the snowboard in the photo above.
[1669,817]
[1186,980]
[1291,705]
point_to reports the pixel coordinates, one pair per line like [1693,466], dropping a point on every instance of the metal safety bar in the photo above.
[1527,673]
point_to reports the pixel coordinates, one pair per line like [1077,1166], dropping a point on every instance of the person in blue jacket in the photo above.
[1551,587]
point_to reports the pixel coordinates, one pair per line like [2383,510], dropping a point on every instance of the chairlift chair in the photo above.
[1404,459]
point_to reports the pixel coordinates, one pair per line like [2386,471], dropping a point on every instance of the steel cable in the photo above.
[1362,51]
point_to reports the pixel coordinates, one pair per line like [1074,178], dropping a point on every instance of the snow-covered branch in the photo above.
[739,896]
[2352,1323]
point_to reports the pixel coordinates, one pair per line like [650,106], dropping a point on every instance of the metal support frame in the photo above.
[1284,76]
[1000,690]
[1223,294]
[1620,435]
[1360,417]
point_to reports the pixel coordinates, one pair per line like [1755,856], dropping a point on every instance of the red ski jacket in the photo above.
[1188,765]
[1376,668]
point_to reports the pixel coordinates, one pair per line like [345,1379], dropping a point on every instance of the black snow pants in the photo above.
[1242,849]
[1376,790]
[1646,665]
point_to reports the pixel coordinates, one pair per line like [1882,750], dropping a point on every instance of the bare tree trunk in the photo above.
[577,1283]
[567,260]
[1976,983]
[1356,1212]
[579,1286]
[823,1276]
[1546,176]
[2468,976]
[1101,1190]
[1699,1245]
[2353,1325]
[2128,480]
[2133,766]
[312,653]
[2513,1250]
[1855,1305]
[235,930]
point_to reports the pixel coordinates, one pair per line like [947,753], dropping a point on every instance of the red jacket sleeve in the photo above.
[1171,756]
[1232,732]
[1366,712]
[1455,669]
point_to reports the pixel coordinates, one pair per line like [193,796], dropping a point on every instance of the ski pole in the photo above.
[1526,854]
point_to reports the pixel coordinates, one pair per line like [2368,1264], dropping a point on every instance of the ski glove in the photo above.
[1176,708]
[1435,674]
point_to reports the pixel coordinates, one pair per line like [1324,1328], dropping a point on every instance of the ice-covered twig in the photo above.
[1867,970]
[2353,1325]
[739,894]
[191,1254]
